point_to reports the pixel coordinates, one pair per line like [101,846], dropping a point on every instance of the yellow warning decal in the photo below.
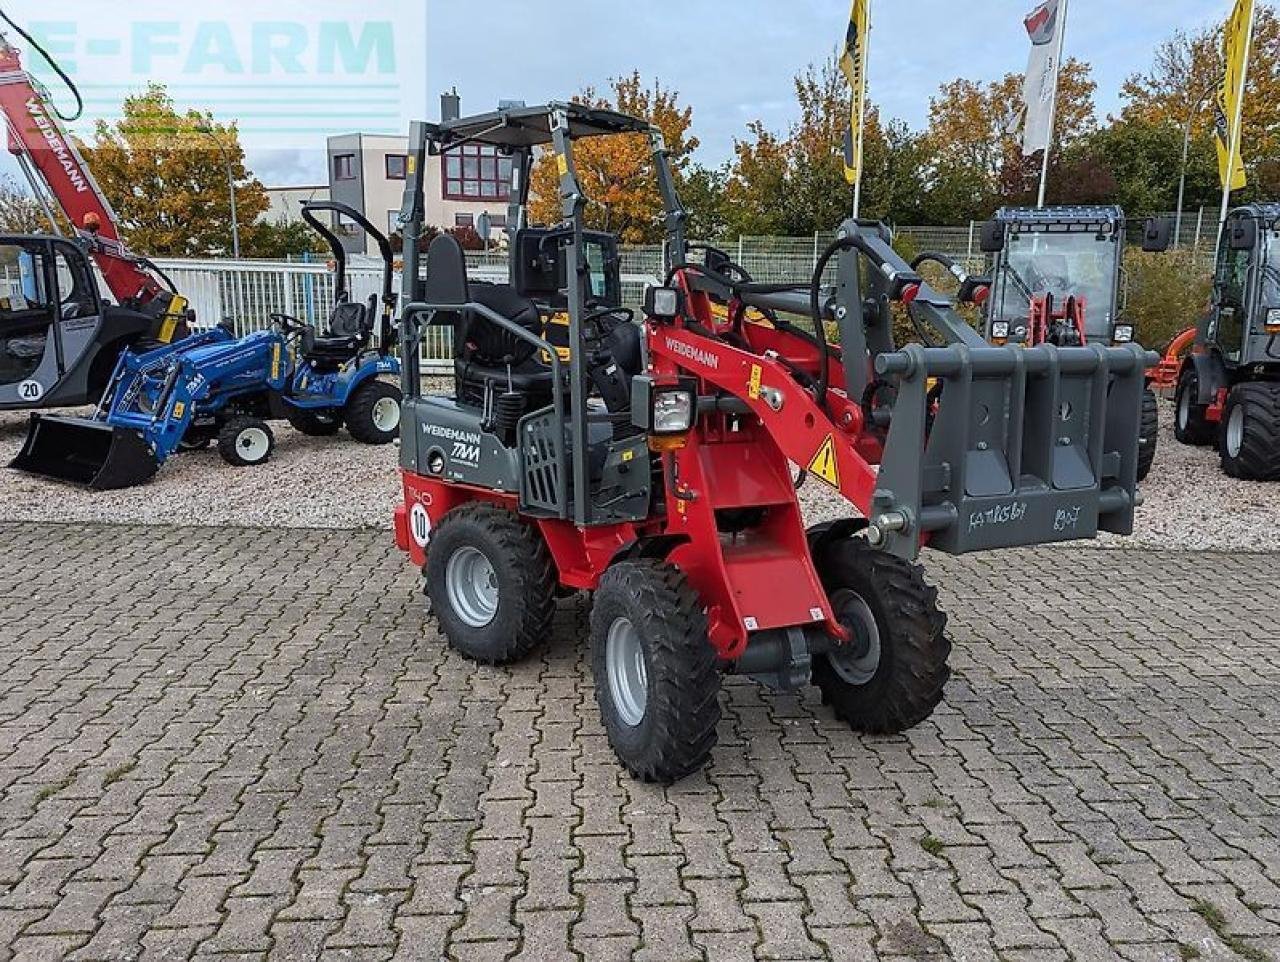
[412,166]
[179,409]
[753,388]
[275,363]
[562,164]
[824,466]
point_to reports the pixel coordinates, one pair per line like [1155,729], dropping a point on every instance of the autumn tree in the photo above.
[1182,84]
[166,177]
[617,172]
[975,156]
[20,212]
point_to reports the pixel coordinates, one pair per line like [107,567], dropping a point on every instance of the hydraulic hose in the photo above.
[819,322]
[57,68]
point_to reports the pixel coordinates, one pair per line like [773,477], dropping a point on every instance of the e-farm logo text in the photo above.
[286,82]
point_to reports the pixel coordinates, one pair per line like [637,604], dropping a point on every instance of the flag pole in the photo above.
[1053,106]
[862,115]
[1237,122]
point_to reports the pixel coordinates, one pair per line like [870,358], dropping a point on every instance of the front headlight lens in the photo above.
[1273,317]
[1124,333]
[672,412]
[1000,330]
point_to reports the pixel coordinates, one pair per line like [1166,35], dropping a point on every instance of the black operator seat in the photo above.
[349,330]
[486,357]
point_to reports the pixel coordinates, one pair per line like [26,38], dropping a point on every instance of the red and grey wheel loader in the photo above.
[1228,386]
[653,463]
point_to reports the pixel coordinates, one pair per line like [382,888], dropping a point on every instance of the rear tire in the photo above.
[491,583]
[245,442]
[1189,423]
[373,413]
[656,675]
[315,424]
[1249,439]
[895,678]
[1149,435]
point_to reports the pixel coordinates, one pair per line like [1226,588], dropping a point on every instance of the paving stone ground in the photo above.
[235,744]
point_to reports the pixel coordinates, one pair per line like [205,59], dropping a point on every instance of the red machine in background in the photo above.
[59,338]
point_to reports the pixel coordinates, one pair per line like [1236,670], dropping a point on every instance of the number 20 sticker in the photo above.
[420,525]
[30,390]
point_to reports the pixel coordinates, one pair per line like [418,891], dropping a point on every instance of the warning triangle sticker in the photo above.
[824,466]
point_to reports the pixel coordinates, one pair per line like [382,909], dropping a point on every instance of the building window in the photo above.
[476,172]
[393,222]
[464,220]
[397,166]
[498,221]
[344,167]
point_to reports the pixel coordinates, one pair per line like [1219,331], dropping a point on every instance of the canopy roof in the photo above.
[531,126]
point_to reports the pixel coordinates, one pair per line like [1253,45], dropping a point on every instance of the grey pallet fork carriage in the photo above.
[1021,445]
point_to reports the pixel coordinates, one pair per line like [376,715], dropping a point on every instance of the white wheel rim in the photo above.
[472,586]
[628,672]
[1235,432]
[253,444]
[386,414]
[857,661]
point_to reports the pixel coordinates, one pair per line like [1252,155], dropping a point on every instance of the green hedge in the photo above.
[1168,293]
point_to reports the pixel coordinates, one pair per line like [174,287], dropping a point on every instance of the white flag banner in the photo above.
[1044,26]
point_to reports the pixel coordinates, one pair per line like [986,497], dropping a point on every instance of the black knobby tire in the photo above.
[677,730]
[522,571]
[362,407]
[1255,454]
[324,423]
[1149,434]
[1190,425]
[906,684]
[241,442]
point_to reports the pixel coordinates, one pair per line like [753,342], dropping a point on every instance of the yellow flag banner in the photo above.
[1235,47]
[853,63]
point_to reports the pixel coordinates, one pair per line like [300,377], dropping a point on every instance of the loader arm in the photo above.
[44,148]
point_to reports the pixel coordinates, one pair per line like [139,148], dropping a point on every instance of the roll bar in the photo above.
[309,211]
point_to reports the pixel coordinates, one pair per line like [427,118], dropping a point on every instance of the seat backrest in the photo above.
[494,346]
[446,281]
[350,319]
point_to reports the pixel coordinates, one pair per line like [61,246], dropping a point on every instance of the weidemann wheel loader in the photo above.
[651,462]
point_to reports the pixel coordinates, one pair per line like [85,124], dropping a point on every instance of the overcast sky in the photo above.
[733,62]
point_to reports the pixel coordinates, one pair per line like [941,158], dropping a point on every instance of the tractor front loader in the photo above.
[674,500]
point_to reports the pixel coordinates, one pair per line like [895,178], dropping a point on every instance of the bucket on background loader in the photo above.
[82,451]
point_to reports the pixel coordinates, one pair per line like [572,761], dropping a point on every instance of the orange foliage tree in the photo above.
[616,172]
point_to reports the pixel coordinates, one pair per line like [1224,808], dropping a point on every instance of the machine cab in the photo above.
[48,293]
[1246,290]
[1056,270]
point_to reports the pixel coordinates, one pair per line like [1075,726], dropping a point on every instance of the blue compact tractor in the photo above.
[214,387]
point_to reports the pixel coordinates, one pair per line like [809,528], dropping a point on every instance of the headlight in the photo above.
[673,411]
[1000,330]
[1273,317]
[1124,333]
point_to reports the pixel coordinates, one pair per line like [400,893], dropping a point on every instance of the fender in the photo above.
[1211,376]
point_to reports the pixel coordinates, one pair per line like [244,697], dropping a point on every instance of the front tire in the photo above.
[1249,440]
[1149,435]
[491,583]
[246,442]
[892,675]
[656,675]
[373,413]
[1190,426]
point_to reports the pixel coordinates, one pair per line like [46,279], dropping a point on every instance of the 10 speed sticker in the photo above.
[420,525]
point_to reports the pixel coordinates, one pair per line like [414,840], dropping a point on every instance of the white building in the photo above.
[367,172]
[286,203]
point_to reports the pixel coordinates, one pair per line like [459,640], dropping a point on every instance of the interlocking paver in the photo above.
[248,750]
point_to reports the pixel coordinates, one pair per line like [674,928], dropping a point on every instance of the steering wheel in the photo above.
[594,328]
[289,324]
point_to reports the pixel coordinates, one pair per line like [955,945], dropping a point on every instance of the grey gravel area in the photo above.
[337,483]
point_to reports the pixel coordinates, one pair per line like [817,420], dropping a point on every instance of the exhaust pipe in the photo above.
[85,452]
